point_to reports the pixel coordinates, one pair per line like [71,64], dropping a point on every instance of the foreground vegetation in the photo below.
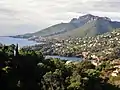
[29,70]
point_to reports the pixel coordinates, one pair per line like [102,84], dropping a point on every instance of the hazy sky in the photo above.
[21,16]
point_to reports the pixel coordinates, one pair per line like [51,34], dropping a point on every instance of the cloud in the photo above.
[21,16]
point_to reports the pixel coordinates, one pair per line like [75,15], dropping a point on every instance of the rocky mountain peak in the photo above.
[93,17]
[87,18]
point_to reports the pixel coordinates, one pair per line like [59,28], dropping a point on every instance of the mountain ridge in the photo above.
[86,25]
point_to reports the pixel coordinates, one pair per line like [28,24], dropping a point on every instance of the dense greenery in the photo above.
[29,70]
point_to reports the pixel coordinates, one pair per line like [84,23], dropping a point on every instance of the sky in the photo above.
[26,16]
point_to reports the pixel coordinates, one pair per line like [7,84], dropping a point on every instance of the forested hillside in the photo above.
[29,70]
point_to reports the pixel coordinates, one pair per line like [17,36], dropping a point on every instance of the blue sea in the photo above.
[20,42]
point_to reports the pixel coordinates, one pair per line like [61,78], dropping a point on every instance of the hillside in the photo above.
[105,45]
[87,25]
[55,30]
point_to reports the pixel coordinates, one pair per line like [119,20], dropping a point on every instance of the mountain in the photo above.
[87,25]
[56,29]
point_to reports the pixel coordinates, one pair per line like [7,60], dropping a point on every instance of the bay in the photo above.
[20,42]
[25,42]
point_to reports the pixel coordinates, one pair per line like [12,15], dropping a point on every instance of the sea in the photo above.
[19,41]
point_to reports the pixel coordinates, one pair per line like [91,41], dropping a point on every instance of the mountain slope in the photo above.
[56,29]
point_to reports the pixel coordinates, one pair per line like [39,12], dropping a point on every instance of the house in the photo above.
[95,57]
[85,54]
[115,73]
[117,66]
[68,62]
[96,63]
[58,44]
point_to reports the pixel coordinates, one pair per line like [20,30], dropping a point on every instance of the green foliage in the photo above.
[30,71]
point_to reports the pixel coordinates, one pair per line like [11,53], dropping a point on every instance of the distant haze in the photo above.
[25,16]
